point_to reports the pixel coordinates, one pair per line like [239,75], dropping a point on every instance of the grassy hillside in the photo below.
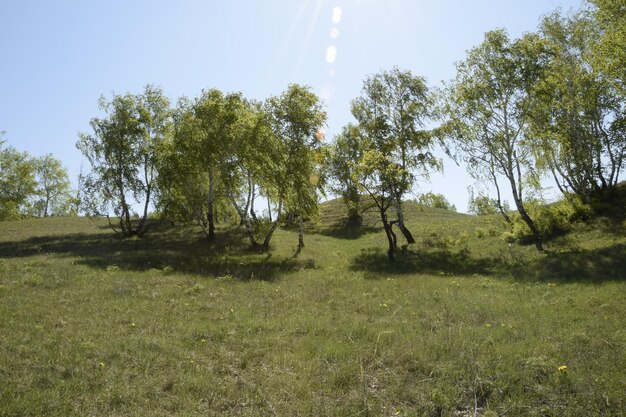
[462,324]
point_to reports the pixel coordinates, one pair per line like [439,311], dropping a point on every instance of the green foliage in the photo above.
[435,200]
[53,195]
[486,107]
[609,54]
[17,183]
[392,111]
[297,119]
[123,154]
[482,205]
[577,114]
[551,219]
[345,153]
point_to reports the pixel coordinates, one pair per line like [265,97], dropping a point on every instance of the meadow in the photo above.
[462,324]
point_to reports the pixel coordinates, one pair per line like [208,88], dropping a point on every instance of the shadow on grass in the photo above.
[344,230]
[432,261]
[587,266]
[176,250]
[599,265]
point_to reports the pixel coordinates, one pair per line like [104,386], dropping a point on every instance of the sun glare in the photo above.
[337,14]
[331,54]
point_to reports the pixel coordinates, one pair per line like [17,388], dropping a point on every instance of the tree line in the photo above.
[32,186]
[550,103]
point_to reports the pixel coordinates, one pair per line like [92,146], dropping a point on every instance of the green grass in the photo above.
[462,324]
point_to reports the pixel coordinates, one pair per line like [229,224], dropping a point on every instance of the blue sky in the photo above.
[58,57]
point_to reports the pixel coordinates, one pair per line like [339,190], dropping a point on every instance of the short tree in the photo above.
[340,165]
[17,182]
[53,195]
[382,179]
[392,111]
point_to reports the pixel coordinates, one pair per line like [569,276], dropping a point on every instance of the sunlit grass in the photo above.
[463,324]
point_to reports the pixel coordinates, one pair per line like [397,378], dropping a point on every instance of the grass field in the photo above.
[463,324]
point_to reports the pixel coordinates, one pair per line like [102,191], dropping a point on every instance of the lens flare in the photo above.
[331,54]
[337,14]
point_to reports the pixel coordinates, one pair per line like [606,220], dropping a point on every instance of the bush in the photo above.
[551,219]
[482,205]
[433,200]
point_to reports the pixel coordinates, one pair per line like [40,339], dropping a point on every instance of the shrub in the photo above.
[482,205]
[434,200]
[551,219]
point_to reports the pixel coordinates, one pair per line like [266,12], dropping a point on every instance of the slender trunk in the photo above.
[390,235]
[250,233]
[524,214]
[499,203]
[47,203]
[125,223]
[533,228]
[269,209]
[244,212]
[210,218]
[268,236]
[252,198]
[141,229]
[301,232]
[407,234]
[147,175]
[239,210]
[245,220]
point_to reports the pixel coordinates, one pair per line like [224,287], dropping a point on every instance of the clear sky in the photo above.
[58,57]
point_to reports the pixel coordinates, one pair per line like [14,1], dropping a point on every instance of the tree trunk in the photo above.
[390,236]
[141,229]
[499,203]
[210,217]
[531,225]
[268,236]
[529,222]
[252,198]
[301,232]
[47,204]
[407,234]
[243,214]
[517,197]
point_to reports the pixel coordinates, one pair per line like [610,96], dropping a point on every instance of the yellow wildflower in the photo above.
[563,368]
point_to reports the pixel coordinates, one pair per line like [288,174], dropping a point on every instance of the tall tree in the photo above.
[487,105]
[255,166]
[213,119]
[392,111]
[297,118]
[122,152]
[577,116]
[199,163]
[381,178]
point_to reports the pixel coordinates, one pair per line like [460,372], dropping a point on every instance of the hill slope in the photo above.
[462,324]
